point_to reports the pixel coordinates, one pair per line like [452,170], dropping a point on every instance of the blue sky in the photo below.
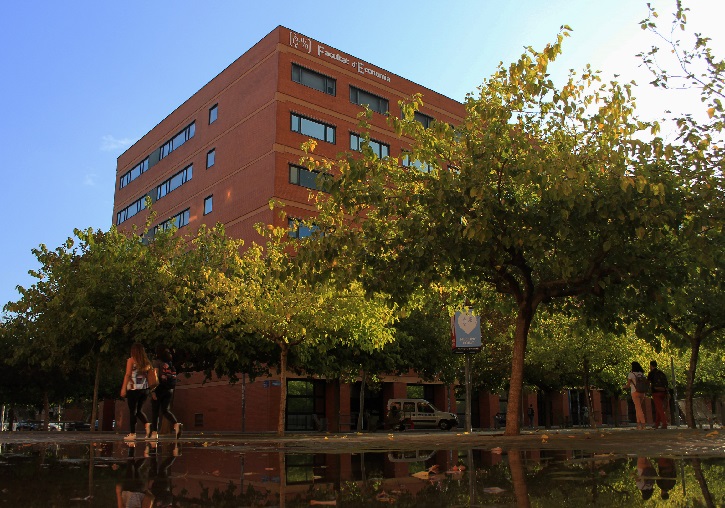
[84,80]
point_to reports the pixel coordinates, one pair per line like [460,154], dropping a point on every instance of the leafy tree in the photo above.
[280,302]
[95,295]
[688,310]
[541,193]
[200,341]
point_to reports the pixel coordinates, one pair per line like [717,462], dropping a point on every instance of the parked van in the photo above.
[418,414]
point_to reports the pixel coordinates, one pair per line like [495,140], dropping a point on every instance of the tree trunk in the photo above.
[523,323]
[282,476]
[284,351]
[694,356]
[706,494]
[46,411]
[361,413]
[518,477]
[96,385]
[588,395]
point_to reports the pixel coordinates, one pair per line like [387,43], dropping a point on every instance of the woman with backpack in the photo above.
[163,395]
[135,388]
[634,380]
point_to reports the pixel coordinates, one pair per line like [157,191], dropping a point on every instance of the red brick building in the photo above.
[232,147]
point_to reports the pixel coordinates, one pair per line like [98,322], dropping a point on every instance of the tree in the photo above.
[279,301]
[95,295]
[200,341]
[541,193]
[688,310]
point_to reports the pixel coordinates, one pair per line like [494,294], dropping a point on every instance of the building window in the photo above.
[313,128]
[177,221]
[210,158]
[208,205]
[198,419]
[424,120]
[131,210]
[379,149]
[313,79]
[304,177]
[374,102]
[409,162]
[213,112]
[134,173]
[305,399]
[299,230]
[175,181]
[178,140]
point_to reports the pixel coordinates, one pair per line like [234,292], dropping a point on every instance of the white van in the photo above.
[418,414]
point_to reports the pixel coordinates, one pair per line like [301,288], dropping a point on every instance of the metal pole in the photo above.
[469,427]
[244,402]
[674,392]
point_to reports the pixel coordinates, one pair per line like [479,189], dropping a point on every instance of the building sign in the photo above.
[465,332]
[306,44]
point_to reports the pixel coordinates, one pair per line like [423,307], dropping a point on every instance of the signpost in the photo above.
[466,339]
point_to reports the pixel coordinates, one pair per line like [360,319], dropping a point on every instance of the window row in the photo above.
[313,128]
[328,85]
[380,149]
[175,181]
[304,177]
[182,137]
[181,219]
[131,210]
[178,221]
[134,173]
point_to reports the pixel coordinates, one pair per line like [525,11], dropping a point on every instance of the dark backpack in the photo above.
[167,376]
[641,383]
[658,380]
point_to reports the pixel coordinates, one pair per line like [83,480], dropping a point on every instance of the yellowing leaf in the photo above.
[710,112]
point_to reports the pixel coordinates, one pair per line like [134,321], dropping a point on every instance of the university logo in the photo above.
[300,42]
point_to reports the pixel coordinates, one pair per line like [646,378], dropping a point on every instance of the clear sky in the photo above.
[82,80]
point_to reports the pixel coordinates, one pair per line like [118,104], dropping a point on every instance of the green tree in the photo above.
[95,295]
[200,341]
[541,193]
[688,310]
[282,303]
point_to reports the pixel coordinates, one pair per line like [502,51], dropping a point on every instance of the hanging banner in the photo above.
[466,332]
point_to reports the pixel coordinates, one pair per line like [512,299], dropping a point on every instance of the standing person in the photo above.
[637,373]
[135,388]
[531,415]
[132,491]
[658,382]
[163,395]
[646,475]
[666,476]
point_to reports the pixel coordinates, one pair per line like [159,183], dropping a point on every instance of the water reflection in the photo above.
[165,475]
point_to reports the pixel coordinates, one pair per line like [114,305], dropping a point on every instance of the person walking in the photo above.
[634,378]
[163,395]
[658,382]
[135,388]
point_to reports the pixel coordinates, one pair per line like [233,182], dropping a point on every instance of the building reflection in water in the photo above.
[212,474]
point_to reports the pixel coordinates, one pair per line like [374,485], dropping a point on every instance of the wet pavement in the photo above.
[555,467]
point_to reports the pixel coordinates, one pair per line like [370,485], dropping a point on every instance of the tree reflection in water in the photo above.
[219,477]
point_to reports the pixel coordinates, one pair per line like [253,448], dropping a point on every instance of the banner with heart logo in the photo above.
[466,332]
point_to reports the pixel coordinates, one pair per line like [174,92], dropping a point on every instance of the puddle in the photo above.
[194,475]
